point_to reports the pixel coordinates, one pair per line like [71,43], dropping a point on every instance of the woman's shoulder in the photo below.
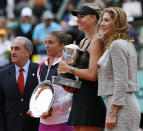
[99,37]
[120,43]
[97,41]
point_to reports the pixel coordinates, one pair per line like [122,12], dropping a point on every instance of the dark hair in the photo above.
[62,37]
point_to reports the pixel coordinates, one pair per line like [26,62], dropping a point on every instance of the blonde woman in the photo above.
[117,75]
[88,110]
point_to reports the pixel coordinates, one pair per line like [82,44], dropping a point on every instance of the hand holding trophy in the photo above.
[66,79]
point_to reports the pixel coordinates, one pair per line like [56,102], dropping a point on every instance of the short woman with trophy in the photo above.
[88,110]
[56,117]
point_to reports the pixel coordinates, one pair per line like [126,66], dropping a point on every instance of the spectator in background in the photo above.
[19,5]
[132,31]
[55,5]
[2,22]
[73,30]
[12,24]
[75,2]
[26,26]
[4,48]
[68,15]
[41,30]
[3,4]
[38,7]
[100,3]
[10,9]
[64,25]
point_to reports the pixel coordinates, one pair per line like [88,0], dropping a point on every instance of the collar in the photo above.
[25,67]
[55,61]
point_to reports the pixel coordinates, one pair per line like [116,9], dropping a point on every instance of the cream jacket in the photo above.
[118,71]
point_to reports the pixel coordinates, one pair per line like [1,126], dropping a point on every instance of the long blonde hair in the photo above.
[120,25]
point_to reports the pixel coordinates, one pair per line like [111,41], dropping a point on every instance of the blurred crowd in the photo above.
[34,19]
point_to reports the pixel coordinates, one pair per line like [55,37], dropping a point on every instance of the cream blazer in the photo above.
[118,71]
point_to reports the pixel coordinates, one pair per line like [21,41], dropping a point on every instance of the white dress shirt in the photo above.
[25,71]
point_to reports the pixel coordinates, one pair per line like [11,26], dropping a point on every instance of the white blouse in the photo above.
[100,61]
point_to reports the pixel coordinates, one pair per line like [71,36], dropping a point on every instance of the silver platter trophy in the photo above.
[68,55]
[41,99]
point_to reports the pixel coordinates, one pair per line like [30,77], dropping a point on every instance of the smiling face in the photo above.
[86,22]
[19,54]
[53,47]
[107,24]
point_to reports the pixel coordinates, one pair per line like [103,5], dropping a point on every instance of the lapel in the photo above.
[12,80]
[30,78]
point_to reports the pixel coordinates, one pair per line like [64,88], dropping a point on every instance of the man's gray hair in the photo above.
[28,44]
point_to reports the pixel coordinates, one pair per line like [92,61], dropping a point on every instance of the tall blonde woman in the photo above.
[117,75]
[88,110]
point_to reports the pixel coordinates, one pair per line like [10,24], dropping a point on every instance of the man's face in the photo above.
[47,22]
[19,55]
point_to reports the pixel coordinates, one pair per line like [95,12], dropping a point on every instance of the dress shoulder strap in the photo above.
[87,45]
[83,43]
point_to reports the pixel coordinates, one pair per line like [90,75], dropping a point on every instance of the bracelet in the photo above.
[113,113]
[72,70]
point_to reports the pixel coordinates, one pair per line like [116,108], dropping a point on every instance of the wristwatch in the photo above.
[72,70]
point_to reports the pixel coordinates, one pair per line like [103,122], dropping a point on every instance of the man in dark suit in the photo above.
[14,98]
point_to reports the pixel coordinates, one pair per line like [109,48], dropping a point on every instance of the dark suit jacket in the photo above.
[13,105]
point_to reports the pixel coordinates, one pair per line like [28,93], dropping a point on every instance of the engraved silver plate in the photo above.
[66,81]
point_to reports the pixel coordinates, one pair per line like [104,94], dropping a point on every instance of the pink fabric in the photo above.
[57,127]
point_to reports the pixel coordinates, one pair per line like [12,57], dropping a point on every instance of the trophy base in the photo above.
[66,82]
